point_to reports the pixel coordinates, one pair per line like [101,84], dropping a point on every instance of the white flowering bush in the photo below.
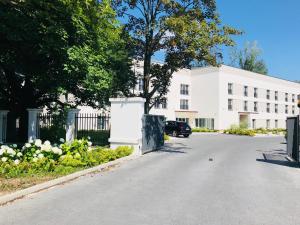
[38,150]
[37,156]
[10,154]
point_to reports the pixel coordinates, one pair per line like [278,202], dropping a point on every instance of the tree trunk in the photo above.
[147,64]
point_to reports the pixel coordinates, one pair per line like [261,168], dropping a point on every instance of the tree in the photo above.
[52,47]
[184,30]
[249,58]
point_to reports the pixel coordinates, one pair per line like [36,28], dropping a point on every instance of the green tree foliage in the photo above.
[52,47]
[55,46]
[249,58]
[183,30]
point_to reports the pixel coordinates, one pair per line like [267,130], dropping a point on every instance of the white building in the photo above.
[224,96]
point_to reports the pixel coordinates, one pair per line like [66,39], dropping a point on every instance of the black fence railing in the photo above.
[4,128]
[94,126]
[51,127]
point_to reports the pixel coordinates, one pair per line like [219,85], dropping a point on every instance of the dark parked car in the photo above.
[176,128]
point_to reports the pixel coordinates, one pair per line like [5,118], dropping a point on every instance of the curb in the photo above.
[48,184]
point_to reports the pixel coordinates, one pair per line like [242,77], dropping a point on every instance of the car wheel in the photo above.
[175,134]
[186,135]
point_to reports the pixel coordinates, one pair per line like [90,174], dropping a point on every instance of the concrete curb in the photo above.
[48,184]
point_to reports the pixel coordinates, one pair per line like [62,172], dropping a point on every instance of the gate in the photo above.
[293,137]
[94,126]
[153,132]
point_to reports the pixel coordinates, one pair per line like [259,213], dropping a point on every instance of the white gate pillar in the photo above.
[70,129]
[3,125]
[32,123]
[126,122]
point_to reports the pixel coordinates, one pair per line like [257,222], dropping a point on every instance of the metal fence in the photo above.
[4,128]
[51,127]
[293,133]
[94,126]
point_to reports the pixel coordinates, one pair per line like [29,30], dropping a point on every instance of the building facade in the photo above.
[219,97]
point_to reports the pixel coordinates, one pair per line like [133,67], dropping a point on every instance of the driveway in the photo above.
[206,179]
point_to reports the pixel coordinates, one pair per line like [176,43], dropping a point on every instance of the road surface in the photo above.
[204,180]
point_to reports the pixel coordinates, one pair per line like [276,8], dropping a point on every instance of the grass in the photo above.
[14,184]
[8,185]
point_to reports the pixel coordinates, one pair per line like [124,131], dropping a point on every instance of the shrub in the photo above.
[261,131]
[203,129]
[166,137]
[239,131]
[99,137]
[270,131]
[243,125]
[38,157]
[52,133]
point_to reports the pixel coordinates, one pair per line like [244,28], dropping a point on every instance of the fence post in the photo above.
[70,129]
[126,122]
[3,125]
[32,123]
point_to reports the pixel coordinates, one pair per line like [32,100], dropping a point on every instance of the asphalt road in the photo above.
[203,180]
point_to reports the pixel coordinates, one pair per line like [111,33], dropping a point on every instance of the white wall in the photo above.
[240,78]
[174,96]
[205,93]
[208,96]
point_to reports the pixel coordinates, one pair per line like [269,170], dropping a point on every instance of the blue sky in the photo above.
[274,24]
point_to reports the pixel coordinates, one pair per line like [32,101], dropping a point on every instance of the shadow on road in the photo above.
[278,157]
[174,148]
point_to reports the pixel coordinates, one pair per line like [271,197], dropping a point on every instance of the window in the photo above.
[276,95]
[171,123]
[205,122]
[255,107]
[293,110]
[164,103]
[245,91]
[286,97]
[268,124]
[286,109]
[230,87]
[230,105]
[184,104]
[276,108]
[276,124]
[140,84]
[268,94]
[184,89]
[268,107]
[156,104]
[255,93]
[183,120]
[245,105]
[293,98]
[254,123]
